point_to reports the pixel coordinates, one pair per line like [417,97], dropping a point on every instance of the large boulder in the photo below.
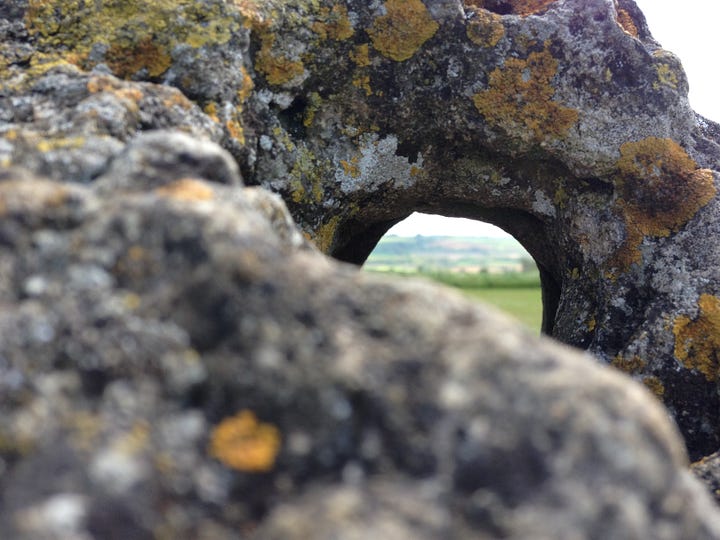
[178,362]
[564,122]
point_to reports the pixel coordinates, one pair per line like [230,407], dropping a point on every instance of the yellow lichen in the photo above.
[485,28]
[307,175]
[211,109]
[629,365]
[136,36]
[666,77]
[655,385]
[361,55]
[60,143]
[134,441]
[592,323]
[626,22]
[314,104]
[187,189]
[519,99]
[403,29]
[243,443]
[697,342]
[334,23]
[363,82]
[660,189]
[324,236]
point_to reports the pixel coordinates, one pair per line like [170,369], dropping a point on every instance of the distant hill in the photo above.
[449,253]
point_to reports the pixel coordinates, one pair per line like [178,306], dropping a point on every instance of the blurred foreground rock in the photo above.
[180,363]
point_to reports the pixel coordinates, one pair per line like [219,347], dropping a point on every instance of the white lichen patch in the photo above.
[376,165]
[543,205]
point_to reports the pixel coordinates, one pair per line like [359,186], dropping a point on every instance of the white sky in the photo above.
[686,28]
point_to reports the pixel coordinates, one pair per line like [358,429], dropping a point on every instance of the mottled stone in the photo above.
[177,360]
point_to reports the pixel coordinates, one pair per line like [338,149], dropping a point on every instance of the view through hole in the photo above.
[481,260]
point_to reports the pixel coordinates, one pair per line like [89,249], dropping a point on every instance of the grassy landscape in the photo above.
[497,271]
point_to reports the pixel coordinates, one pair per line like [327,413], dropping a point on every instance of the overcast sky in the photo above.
[689,29]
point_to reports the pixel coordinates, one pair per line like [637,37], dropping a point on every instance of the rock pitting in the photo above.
[178,361]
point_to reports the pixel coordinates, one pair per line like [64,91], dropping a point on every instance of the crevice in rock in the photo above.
[292,118]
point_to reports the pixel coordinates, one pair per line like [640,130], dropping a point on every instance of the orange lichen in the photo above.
[236,131]
[530,7]
[351,167]
[626,22]
[127,59]
[697,342]
[278,70]
[244,444]
[518,7]
[485,28]
[519,99]
[403,29]
[175,98]
[187,189]
[250,12]
[104,83]
[334,23]
[247,86]
[660,189]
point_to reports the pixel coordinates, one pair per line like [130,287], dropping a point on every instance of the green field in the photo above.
[516,293]
[524,304]
[497,271]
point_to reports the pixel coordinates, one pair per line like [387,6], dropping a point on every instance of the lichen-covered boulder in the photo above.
[563,121]
[177,361]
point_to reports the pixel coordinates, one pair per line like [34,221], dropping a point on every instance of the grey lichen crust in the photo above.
[179,360]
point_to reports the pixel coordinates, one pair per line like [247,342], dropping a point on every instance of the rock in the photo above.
[564,122]
[174,362]
[708,471]
[178,360]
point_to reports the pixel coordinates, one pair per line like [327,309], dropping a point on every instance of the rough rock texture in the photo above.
[178,361]
[563,122]
[708,471]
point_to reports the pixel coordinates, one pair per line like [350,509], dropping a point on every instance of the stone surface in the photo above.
[564,122]
[178,361]
[708,471]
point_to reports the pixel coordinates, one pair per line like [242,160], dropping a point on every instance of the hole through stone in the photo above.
[481,260]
